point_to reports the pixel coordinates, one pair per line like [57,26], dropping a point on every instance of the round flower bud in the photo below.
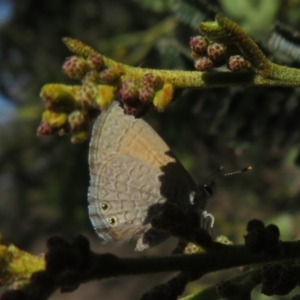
[198,44]
[75,67]
[45,129]
[96,61]
[236,63]
[76,120]
[109,74]
[255,224]
[86,94]
[129,90]
[150,83]
[216,51]
[203,63]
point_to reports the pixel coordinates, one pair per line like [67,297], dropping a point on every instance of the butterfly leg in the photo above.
[150,238]
[207,220]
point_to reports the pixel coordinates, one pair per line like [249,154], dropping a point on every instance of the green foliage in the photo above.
[157,6]
[192,12]
[254,16]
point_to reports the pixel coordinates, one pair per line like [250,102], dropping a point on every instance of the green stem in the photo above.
[290,76]
[282,76]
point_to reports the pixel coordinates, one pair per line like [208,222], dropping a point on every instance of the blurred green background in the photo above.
[44,181]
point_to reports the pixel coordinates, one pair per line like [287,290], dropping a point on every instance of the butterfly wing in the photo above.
[133,172]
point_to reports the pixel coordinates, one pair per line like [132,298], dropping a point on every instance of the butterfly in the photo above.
[133,174]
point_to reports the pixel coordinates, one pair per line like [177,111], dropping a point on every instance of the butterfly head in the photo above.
[199,198]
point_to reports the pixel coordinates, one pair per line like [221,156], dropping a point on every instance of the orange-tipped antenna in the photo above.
[219,173]
[249,168]
[209,187]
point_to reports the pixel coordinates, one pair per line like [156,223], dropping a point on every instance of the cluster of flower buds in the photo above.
[64,114]
[89,68]
[76,67]
[139,95]
[69,109]
[209,55]
[67,260]
[261,238]
[87,64]
[278,279]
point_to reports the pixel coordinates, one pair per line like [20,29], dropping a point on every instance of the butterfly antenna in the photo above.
[214,175]
[209,181]
[249,168]
[220,173]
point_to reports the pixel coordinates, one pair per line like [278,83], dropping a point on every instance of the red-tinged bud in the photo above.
[129,90]
[45,129]
[128,110]
[96,61]
[216,51]
[203,63]
[146,94]
[198,44]
[86,94]
[91,77]
[75,67]
[151,80]
[236,63]
[137,109]
[76,120]
[150,83]
[109,74]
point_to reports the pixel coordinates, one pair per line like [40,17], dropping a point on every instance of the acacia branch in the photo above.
[70,264]
[70,109]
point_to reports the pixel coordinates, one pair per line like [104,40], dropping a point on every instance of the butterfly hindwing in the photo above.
[133,172]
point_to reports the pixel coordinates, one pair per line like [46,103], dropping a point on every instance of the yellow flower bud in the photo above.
[163,97]
[55,119]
